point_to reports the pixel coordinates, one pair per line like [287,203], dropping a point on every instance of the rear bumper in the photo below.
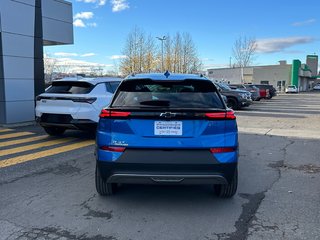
[173,167]
[66,121]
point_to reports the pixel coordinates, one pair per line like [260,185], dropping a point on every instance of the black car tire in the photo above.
[233,103]
[54,131]
[227,190]
[102,187]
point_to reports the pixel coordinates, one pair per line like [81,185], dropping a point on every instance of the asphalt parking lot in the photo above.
[47,185]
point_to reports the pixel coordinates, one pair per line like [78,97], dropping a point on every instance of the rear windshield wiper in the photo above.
[161,103]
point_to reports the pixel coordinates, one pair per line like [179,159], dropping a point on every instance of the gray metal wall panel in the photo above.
[20,111]
[18,67]
[19,90]
[17,45]
[29,2]
[58,10]
[17,18]
[57,31]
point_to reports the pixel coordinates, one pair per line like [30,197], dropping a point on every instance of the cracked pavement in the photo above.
[278,195]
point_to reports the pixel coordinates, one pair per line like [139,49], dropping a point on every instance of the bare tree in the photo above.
[143,55]
[49,66]
[168,54]
[184,54]
[150,58]
[243,51]
[177,52]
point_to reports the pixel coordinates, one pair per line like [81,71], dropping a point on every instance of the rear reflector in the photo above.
[113,149]
[107,113]
[221,115]
[222,150]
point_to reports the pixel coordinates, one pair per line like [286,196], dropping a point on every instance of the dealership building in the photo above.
[303,76]
[25,27]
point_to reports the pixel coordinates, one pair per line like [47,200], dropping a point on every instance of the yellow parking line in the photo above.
[13,135]
[46,153]
[5,130]
[23,140]
[34,146]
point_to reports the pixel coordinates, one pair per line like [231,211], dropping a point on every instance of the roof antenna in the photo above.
[167,74]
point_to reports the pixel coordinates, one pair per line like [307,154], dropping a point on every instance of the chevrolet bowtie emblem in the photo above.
[168,114]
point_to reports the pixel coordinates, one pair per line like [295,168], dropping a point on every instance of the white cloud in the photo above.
[83,15]
[115,57]
[70,65]
[88,55]
[102,2]
[119,5]
[78,23]
[303,23]
[272,45]
[74,62]
[92,24]
[98,2]
[217,65]
[207,59]
[65,54]
[78,19]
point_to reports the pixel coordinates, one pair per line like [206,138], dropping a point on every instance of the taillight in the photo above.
[109,113]
[230,115]
[84,100]
[222,149]
[221,115]
[113,149]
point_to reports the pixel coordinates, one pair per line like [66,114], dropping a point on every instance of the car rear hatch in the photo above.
[149,114]
[65,97]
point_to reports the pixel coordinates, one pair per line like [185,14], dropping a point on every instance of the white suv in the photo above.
[74,103]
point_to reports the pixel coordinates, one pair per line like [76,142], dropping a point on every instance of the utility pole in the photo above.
[162,39]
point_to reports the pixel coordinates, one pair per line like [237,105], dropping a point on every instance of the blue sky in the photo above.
[284,30]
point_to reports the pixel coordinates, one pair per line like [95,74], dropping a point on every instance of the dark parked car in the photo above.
[236,99]
[167,129]
[268,88]
[255,93]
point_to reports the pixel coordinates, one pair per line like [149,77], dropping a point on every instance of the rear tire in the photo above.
[232,103]
[54,131]
[102,187]
[227,190]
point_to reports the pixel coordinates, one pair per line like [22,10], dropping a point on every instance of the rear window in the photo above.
[168,94]
[70,87]
[112,86]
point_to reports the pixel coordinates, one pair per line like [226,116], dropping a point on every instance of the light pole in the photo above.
[162,39]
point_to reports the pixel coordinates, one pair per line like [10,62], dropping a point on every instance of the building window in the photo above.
[264,82]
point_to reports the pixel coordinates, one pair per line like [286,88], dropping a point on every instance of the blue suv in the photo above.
[167,129]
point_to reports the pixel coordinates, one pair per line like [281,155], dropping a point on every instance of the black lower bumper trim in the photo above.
[81,124]
[143,173]
[166,179]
